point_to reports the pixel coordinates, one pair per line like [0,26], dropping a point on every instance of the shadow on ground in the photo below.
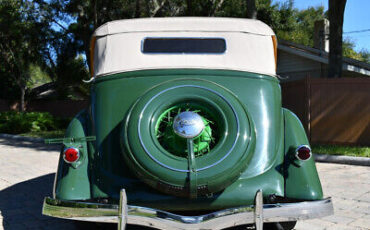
[27,144]
[21,204]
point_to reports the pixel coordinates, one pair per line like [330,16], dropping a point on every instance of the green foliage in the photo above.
[271,15]
[365,55]
[349,51]
[73,71]
[298,25]
[37,76]
[8,87]
[14,122]
[45,134]
[357,151]
[37,46]
[22,38]
[233,8]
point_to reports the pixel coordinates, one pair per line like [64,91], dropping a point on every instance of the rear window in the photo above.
[184,46]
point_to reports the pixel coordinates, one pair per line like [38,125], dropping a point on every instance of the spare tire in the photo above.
[159,157]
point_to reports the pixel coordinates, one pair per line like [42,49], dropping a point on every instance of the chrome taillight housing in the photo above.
[303,152]
[71,155]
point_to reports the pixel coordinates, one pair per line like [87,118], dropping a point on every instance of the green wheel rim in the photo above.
[177,145]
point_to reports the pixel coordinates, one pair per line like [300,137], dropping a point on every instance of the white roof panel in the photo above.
[118,45]
[172,24]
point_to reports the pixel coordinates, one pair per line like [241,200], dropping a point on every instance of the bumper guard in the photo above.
[128,214]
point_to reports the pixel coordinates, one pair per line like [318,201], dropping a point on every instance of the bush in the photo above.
[13,122]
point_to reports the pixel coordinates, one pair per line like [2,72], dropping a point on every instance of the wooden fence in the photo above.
[333,111]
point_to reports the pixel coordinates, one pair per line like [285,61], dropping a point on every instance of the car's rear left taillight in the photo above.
[71,155]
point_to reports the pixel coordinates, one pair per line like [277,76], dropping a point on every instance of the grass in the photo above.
[356,151]
[45,134]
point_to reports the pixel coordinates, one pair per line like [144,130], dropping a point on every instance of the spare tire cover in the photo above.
[170,173]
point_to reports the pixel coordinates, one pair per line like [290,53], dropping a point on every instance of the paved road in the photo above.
[27,173]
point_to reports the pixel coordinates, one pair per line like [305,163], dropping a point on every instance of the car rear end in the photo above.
[186,117]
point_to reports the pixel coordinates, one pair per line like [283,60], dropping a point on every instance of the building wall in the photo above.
[294,67]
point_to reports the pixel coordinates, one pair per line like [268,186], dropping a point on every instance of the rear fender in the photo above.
[301,179]
[72,180]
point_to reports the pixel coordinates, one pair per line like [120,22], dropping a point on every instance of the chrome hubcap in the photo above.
[188,125]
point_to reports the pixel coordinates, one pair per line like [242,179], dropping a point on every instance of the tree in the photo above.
[22,37]
[350,52]
[297,25]
[336,15]
[365,55]
[55,34]
[91,14]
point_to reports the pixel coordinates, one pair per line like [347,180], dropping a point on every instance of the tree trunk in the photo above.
[251,9]
[137,9]
[336,14]
[21,106]
[189,8]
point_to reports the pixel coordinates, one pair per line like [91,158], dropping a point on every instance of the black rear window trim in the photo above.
[181,53]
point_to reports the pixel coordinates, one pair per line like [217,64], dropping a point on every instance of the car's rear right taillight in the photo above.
[303,153]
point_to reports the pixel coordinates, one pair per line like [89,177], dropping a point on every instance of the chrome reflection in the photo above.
[188,124]
[165,220]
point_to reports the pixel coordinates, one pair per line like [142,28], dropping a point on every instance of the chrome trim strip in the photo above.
[164,220]
[182,170]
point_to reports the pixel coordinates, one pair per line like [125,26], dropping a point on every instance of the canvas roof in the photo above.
[206,24]
[116,46]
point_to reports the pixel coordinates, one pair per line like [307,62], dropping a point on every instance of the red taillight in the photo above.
[303,153]
[71,155]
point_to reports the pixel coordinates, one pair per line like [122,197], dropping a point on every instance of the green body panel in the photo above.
[72,181]
[302,181]
[112,99]
[114,96]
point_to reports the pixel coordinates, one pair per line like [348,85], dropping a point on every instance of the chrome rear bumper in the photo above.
[128,214]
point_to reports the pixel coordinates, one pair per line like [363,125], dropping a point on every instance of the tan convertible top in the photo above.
[117,46]
[198,24]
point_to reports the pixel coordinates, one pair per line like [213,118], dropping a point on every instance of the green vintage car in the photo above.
[185,130]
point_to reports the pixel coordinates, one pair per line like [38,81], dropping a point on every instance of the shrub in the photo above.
[14,122]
